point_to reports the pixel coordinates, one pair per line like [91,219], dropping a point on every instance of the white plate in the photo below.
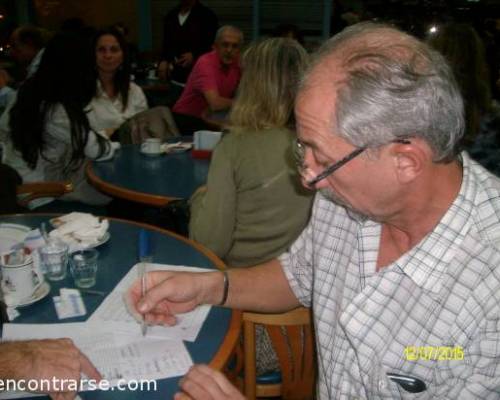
[42,291]
[103,240]
[76,244]
[12,234]
[179,147]
[55,222]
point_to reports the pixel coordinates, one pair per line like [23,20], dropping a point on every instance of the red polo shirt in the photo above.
[207,74]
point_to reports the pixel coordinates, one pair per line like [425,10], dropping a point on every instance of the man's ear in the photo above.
[410,160]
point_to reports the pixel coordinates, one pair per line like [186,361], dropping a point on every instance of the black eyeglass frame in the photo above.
[335,166]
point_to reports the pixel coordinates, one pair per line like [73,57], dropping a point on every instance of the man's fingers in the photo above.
[88,368]
[199,390]
[182,396]
[203,383]
[221,380]
[153,296]
[63,395]
[160,319]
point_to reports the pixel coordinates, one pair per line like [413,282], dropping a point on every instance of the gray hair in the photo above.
[394,87]
[226,28]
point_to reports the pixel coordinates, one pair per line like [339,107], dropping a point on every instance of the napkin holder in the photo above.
[204,143]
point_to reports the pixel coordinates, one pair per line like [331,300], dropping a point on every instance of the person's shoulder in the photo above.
[135,88]
[484,193]
[486,183]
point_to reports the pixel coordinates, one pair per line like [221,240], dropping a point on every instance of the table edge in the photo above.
[123,193]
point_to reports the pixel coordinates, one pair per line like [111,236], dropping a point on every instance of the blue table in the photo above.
[154,181]
[222,326]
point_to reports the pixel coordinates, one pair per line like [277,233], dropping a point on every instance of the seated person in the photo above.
[254,206]
[116,98]
[212,82]
[48,134]
[253,195]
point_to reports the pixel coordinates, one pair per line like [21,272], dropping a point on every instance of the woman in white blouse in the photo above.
[116,98]
[48,134]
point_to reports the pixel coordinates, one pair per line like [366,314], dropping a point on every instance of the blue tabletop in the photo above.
[116,257]
[137,177]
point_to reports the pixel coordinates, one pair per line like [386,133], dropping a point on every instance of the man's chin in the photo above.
[353,213]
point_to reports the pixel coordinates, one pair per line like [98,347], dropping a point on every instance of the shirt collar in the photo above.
[426,263]
[100,91]
[33,66]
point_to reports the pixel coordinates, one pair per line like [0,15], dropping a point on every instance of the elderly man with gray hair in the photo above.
[212,83]
[400,261]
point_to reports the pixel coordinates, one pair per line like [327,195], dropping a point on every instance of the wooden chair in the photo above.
[34,190]
[295,352]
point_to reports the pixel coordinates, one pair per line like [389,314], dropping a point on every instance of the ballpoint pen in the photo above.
[408,383]
[144,257]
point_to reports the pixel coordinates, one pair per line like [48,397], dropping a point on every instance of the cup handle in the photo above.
[37,280]
[144,146]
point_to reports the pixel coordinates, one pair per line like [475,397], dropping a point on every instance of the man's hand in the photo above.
[47,359]
[204,383]
[185,60]
[170,293]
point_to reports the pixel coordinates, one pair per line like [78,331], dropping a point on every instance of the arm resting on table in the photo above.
[217,102]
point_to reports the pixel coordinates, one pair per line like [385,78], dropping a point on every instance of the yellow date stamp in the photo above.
[434,353]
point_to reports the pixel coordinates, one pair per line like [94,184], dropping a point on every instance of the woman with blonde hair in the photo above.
[253,206]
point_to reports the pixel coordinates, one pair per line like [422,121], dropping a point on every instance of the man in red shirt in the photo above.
[212,82]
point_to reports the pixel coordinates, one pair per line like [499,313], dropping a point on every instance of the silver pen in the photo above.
[142,275]
[144,257]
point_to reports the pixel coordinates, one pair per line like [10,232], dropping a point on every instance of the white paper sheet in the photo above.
[115,356]
[113,313]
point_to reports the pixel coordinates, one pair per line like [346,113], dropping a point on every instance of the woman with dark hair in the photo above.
[49,136]
[116,98]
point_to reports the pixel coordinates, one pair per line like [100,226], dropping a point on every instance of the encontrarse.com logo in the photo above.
[73,385]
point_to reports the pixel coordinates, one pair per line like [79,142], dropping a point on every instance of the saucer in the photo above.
[151,154]
[42,291]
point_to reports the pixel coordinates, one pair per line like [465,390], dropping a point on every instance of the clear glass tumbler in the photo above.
[83,267]
[54,259]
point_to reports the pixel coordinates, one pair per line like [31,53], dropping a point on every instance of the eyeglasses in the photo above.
[300,150]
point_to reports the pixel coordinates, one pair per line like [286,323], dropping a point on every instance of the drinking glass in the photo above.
[84,267]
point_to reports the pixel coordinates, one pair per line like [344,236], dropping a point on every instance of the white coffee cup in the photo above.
[151,146]
[20,279]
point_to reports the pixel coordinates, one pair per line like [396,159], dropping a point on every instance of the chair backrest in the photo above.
[295,351]
[34,190]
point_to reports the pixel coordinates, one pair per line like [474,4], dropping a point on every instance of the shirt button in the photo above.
[381,384]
